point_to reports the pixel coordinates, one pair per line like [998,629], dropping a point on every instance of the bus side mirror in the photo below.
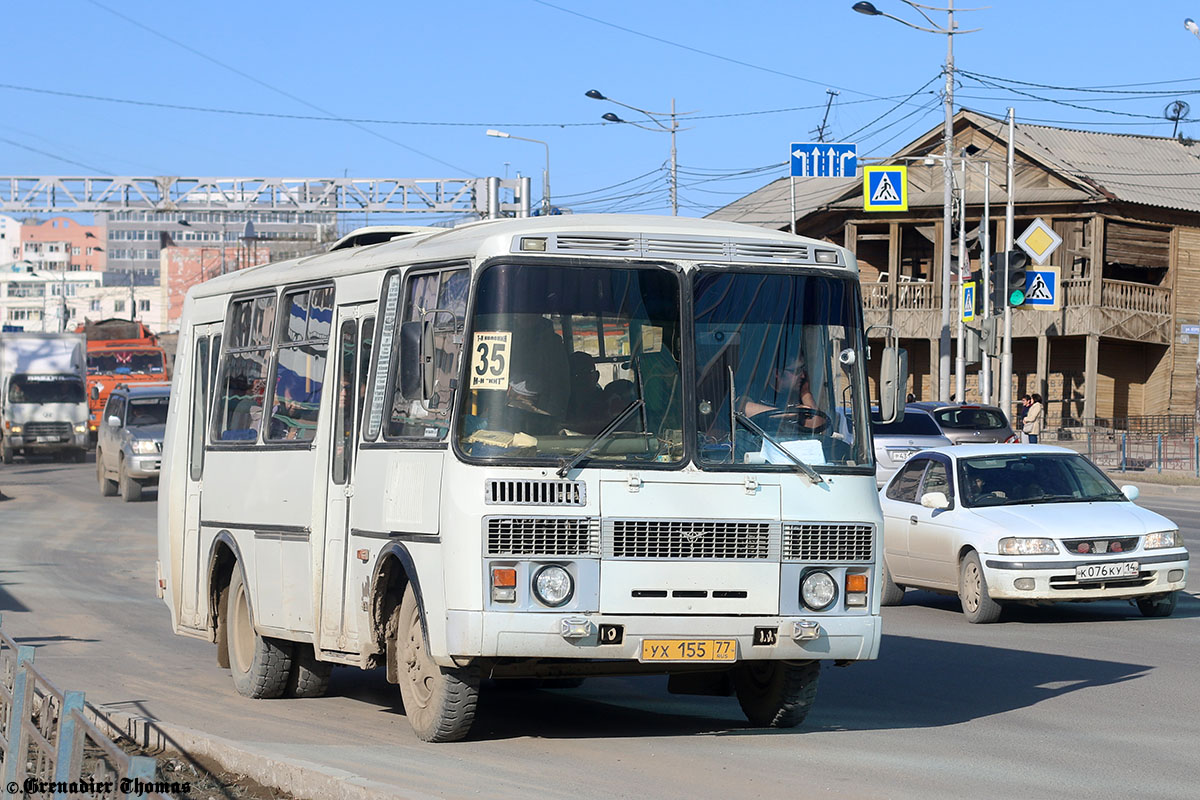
[893,379]
[410,359]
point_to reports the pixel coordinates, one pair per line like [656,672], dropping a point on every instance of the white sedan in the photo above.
[1024,523]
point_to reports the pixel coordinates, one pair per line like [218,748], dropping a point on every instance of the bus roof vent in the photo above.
[595,244]
[534,492]
[758,251]
[687,248]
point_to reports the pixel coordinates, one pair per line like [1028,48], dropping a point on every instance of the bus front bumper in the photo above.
[548,635]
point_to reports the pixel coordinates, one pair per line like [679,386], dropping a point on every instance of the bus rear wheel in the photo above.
[776,694]
[260,665]
[439,702]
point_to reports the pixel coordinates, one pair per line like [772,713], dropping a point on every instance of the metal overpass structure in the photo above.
[485,197]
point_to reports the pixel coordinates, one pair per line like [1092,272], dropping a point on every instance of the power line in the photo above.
[88,167]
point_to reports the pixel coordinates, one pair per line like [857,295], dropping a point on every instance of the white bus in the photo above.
[546,448]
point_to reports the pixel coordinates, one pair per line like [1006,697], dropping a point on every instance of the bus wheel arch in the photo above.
[395,576]
[223,560]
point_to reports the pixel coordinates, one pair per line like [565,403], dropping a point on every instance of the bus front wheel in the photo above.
[776,694]
[260,665]
[439,702]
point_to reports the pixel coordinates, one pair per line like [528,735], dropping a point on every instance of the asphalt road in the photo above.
[1085,700]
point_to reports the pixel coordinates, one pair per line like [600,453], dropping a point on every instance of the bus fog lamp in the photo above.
[552,585]
[818,590]
[575,628]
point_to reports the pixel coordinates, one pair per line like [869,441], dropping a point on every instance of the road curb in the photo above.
[301,778]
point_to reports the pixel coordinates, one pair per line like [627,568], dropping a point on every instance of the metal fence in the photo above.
[1132,452]
[48,746]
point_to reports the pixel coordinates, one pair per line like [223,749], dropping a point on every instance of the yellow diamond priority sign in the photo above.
[1039,240]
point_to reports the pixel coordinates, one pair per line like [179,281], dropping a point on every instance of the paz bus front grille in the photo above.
[828,543]
[542,536]
[691,539]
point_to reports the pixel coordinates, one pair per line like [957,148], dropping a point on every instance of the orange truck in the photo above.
[118,351]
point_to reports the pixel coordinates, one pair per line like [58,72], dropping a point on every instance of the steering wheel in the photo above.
[792,420]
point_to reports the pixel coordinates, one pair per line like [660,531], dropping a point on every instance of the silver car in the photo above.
[969,423]
[129,441]
[896,442]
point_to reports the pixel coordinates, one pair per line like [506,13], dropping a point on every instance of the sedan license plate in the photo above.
[900,456]
[1105,572]
[689,650]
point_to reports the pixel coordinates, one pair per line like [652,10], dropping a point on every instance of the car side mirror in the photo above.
[935,500]
[115,421]
[95,391]
[1131,492]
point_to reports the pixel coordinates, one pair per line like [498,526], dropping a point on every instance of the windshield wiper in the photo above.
[608,431]
[737,416]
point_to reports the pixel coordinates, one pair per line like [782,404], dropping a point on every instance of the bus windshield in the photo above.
[125,362]
[779,354]
[557,356]
[45,389]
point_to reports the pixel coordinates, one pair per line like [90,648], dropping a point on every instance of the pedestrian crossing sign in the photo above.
[968,301]
[1042,288]
[885,188]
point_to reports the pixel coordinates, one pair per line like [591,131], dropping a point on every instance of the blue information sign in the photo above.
[824,160]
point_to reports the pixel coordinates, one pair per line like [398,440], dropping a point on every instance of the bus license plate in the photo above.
[1106,572]
[689,650]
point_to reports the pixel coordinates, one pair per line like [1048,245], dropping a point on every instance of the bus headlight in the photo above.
[552,585]
[818,590]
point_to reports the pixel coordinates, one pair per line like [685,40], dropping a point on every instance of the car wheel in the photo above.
[260,665]
[890,594]
[977,605]
[309,677]
[131,490]
[1162,605]
[776,694]
[108,488]
[439,702]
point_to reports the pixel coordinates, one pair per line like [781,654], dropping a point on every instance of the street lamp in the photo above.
[545,173]
[947,166]
[660,127]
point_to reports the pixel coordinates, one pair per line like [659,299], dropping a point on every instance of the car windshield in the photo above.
[45,389]
[1029,478]
[915,423]
[556,354]
[977,419]
[147,411]
[125,362]
[785,350]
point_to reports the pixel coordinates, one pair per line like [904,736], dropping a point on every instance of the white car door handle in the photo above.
[912,520]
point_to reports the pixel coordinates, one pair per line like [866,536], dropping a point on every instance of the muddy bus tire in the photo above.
[439,702]
[776,694]
[260,665]
[308,677]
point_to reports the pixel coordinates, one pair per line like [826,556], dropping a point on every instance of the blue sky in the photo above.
[754,74]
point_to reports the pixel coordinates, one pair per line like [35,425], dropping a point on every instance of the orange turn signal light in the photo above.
[505,577]
[856,584]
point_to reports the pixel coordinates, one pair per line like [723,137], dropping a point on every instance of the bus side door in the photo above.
[206,341]
[354,333]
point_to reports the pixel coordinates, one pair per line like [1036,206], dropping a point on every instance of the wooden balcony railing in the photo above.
[1115,295]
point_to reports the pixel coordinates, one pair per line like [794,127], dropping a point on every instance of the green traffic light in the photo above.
[1016,297]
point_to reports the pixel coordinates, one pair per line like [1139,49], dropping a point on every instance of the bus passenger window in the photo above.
[239,406]
[429,417]
[365,353]
[300,368]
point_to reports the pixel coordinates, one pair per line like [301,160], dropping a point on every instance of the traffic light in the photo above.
[1017,261]
[977,277]
[997,289]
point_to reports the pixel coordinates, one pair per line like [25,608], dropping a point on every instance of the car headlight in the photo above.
[818,590]
[15,429]
[81,428]
[1161,539]
[1023,546]
[144,447]
[552,585]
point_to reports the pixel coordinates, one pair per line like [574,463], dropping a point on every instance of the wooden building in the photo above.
[1117,351]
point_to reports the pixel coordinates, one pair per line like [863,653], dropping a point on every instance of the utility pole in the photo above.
[985,257]
[1006,354]
[960,366]
[820,131]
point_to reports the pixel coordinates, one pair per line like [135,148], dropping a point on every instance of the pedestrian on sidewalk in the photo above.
[1031,427]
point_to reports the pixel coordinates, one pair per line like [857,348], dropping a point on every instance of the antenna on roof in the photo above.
[1175,112]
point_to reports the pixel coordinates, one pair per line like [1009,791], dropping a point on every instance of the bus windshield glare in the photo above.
[786,350]
[557,355]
